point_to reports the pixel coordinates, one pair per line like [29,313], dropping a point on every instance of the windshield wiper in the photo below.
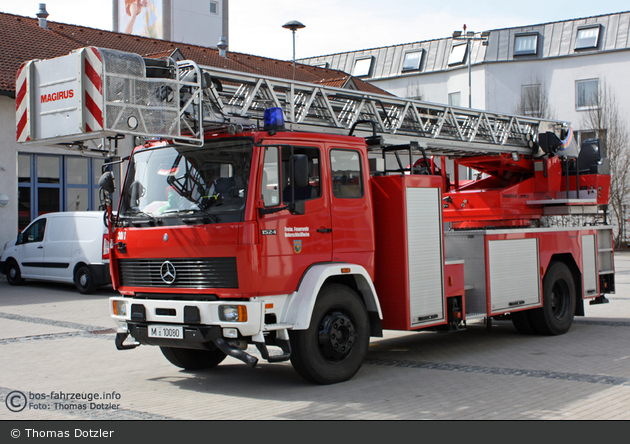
[194,216]
[152,220]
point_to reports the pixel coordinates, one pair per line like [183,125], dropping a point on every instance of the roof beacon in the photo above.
[274,120]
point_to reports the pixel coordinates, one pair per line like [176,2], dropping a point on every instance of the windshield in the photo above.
[183,183]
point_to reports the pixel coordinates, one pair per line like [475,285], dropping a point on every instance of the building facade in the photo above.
[196,22]
[552,70]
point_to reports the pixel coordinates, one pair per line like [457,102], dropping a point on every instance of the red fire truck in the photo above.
[264,212]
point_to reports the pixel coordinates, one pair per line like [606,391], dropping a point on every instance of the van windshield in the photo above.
[175,184]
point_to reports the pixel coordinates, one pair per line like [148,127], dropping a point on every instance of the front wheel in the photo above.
[332,349]
[559,300]
[14,276]
[192,359]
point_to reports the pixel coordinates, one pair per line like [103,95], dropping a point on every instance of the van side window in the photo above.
[347,181]
[34,233]
[313,190]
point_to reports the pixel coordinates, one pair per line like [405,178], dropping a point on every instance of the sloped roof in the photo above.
[555,39]
[23,39]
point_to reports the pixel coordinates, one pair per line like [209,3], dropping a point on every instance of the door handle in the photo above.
[325,230]
[41,247]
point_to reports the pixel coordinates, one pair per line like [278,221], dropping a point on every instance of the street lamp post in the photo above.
[293,25]
[469,37]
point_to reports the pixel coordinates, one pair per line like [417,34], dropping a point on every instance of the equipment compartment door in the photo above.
[514,275]
[424,249]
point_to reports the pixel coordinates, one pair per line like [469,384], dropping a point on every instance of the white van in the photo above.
[62,247]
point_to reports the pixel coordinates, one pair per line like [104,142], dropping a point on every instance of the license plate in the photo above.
[166,331]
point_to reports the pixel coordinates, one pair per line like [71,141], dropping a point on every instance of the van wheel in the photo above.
[192,359]
[84,280]
[14,276]
[334,346]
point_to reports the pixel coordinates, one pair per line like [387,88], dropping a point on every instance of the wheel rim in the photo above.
[560,298]
[337,336]
[83,280]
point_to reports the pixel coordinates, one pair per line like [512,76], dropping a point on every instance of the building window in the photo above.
[455,99]
[526,44]
[458,54]
[363,67]
[587,37]
[586,94]
[49,183]
[412,61]
[324,65]
[214,8]
[531,100]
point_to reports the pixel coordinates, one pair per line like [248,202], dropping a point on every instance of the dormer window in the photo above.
[458,54]
[412,61]
[587,37]
[363,67]
[526,44]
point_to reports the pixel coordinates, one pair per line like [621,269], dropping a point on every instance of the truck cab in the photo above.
[231,240]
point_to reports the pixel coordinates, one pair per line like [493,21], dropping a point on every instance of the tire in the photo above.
[14,276]
[522,321]
[334,346]
[84,280]
[559,301]
[192,359]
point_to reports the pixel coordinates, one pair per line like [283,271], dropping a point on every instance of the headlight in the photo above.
[233,313]
[119,308]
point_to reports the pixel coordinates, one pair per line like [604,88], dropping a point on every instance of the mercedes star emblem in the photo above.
[168,273]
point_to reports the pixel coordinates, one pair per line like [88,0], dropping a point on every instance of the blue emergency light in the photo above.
[273,119]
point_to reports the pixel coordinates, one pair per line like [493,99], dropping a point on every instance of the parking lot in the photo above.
[57,349]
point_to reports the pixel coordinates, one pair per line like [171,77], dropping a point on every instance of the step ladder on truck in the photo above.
[275,213]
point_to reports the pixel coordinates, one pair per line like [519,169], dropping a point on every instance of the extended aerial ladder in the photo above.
[126,94]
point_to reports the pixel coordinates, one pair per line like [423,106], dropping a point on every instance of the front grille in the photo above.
[189,273]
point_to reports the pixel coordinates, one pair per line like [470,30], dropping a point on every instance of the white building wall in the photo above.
[193,23]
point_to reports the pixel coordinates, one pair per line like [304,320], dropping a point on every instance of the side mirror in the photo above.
[20,239]
[300,170]
[299,207]
[106,182]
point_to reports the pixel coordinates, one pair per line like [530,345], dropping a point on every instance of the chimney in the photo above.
[223,46]
[42,14]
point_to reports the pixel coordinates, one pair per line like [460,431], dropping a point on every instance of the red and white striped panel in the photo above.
[23,102]
[93,90]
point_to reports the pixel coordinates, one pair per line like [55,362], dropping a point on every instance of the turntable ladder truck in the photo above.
[265,212]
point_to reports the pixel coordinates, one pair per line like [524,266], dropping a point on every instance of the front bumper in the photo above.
[3,267]
[195,314]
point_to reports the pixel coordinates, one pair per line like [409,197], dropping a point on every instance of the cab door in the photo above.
[351,209]
[290,243]
[31,249]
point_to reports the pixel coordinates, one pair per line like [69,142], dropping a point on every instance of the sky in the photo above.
[334,26]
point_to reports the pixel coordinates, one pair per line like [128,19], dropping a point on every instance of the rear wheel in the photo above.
[332,349]
[192,359]
[84,280]
[14,276]
[556,315]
